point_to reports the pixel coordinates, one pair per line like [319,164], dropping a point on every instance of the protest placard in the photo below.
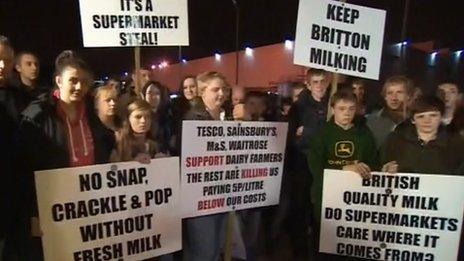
[392,217]
[119,23]
[229,166]
[339,37]
[120,211]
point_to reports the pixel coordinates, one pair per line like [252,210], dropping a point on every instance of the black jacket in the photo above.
[179,107]
[42,131]
[7,175]
[11,99]
[161,128]
[444,155]
[310,114]
[10,114]
[27,95]
[197,112]
[44,143]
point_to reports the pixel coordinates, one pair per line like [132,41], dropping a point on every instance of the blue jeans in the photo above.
[204,237]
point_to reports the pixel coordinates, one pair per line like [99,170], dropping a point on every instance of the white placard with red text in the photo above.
[228,166]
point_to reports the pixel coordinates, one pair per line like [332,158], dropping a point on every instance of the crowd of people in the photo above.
[75,123]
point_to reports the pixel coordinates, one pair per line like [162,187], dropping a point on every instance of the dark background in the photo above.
[49,26]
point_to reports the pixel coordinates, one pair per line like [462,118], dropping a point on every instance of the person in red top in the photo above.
[60,130]
[78,133]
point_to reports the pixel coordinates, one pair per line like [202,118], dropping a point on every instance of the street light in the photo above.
[248,51]
[288,44]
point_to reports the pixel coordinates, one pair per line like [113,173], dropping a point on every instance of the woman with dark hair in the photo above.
[61,130]
[161,117]
[188,90]
[187,93]
[133,140]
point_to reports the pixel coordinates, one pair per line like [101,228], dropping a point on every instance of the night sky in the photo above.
[49,26]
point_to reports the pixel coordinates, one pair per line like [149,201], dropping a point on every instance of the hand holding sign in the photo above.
[143,158]
[360,168]
[390,167]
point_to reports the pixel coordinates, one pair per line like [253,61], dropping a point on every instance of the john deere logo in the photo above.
[344,149]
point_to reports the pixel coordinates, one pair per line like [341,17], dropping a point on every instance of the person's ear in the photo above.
[18,68]
[58,81]
[413,121]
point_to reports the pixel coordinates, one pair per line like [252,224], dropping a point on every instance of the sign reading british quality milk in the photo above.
[392,216]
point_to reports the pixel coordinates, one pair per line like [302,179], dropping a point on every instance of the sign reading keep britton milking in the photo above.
[339,37]
[392,217]
[119,23]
